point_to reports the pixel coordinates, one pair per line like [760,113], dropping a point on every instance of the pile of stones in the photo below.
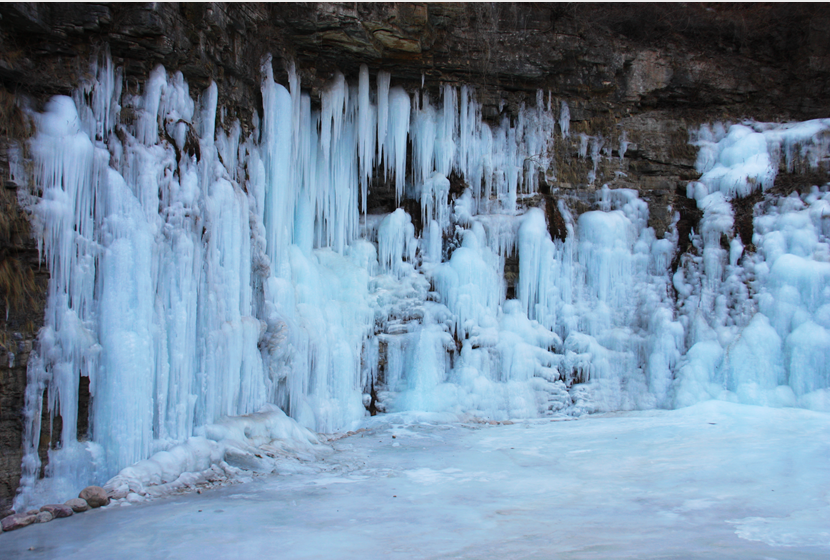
[90,497]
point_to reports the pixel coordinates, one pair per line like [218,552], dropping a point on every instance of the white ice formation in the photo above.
[756,322]
[264,442]
[200,274]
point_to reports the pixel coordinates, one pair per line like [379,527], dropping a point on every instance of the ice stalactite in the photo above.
[565,119]
[497,164]
[396,242]
[394,148]
[367,133]
[69,169]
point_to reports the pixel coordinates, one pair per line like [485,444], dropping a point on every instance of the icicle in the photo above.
[383,80]
[623,146]
[396,242]
[148,118]
[296,106]
[334,99]
[277,145]
[534,255]
[366,135]
[565,119]
[423,134]
[447,132]
[396,139]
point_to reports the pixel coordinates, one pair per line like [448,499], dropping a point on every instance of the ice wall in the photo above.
[176,286]
[201,274]
[198,273]
[755,316]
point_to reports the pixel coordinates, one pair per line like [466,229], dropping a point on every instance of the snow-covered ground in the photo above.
[715,480]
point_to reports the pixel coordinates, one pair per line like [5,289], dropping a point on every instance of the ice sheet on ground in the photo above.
[715,480]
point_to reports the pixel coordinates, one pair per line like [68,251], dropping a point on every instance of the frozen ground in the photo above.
[716,480]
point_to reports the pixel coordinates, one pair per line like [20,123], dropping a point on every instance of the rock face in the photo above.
[653,71]
[724,58]
[22,298]
[95,496]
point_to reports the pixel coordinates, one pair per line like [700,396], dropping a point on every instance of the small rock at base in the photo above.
[58,510]
[17,521]
[43,517]
[95,496]
[33,512]
[78,505]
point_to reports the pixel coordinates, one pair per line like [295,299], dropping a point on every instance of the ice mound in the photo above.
[253,442]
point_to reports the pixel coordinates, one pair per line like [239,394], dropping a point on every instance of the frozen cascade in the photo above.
[203,278]
[756,321]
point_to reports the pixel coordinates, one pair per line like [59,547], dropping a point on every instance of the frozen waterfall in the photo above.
[198,273]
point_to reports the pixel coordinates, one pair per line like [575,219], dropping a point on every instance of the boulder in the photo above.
[78,505]
[58,510]
[95,496]
[43,517]
[17,521]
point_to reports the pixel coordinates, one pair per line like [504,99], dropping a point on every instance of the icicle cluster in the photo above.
[756,322]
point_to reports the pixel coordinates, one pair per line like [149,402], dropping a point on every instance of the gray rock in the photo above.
[58,510]
[95,496]
[33,512]
[17,521]
[78,505]
[43,517]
